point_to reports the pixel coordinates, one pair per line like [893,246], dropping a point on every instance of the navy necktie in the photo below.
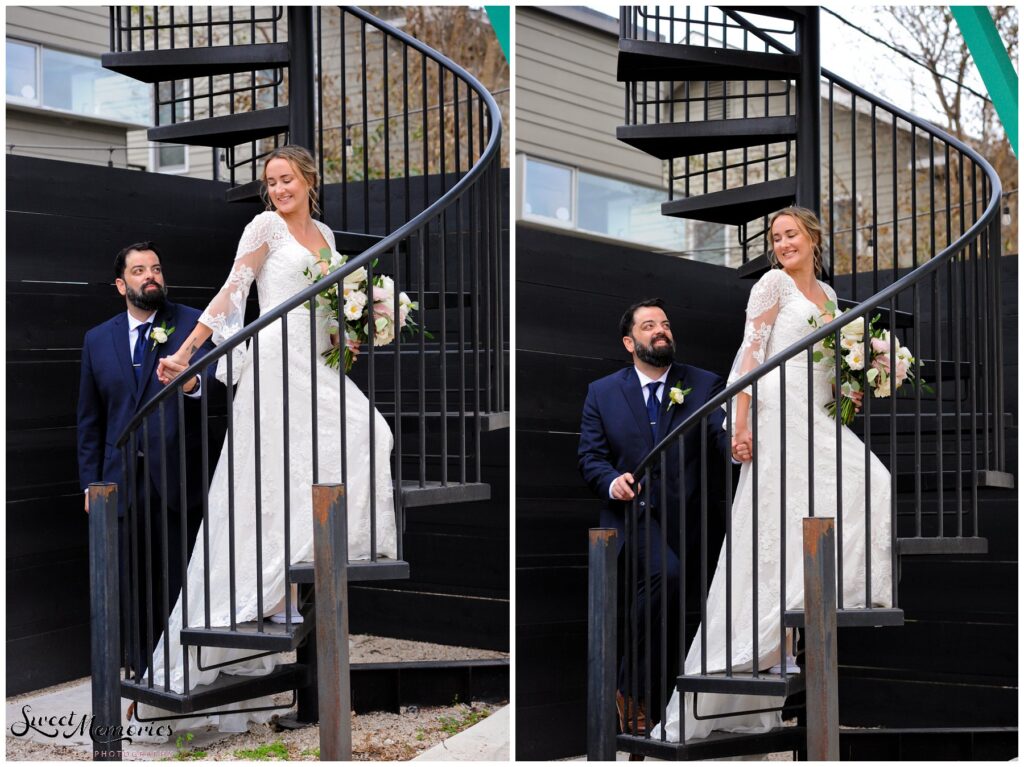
[652,408]
[140,351]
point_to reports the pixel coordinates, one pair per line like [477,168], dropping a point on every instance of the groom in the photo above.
[118,376]
[625,415]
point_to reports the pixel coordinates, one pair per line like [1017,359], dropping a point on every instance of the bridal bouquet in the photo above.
[358,302]
[863,348]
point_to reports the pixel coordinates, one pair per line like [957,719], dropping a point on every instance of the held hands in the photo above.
[172,366]
[742,444]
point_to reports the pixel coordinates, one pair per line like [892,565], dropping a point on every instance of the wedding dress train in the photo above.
[777,317]
[270,256]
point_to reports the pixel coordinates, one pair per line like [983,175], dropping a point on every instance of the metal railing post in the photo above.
[104,576]
[300,76]
[820,639]
[601,652]
[330,555]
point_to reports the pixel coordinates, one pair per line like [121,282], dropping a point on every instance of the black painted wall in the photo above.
[64,224]
[570,292]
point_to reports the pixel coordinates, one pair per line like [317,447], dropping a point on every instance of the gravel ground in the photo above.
[377,736]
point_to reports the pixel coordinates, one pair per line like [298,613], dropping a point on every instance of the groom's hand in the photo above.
[170,368]
[621,490]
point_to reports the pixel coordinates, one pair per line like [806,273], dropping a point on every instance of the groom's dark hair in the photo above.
[122,256]
[626,323]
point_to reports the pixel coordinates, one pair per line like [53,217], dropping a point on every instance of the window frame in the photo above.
[39,105]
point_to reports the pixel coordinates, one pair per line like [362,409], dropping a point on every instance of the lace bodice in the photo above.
[270,255]
[777,317]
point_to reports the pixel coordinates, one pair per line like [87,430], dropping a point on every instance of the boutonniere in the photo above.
[677,394]
[159,335]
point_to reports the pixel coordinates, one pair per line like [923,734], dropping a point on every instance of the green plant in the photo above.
[265,753]
[454,724]
[314,752]
[183,752]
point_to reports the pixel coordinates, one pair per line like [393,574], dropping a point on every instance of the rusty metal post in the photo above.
[330,556]
[601,654]
[105,623]
[820,639]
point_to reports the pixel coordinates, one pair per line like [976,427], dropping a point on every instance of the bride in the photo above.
[780,305]
[275,249]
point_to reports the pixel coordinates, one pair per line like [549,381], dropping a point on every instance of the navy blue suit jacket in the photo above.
[615,435]
[108,398]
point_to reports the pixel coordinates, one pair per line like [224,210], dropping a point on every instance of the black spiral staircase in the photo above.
[748,125]
[247,80]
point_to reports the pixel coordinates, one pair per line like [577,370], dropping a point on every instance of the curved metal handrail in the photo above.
[873,302]
[388,243]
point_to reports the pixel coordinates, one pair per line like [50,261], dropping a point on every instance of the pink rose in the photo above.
[880,345]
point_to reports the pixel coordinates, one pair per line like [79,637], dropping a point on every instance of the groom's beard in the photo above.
[660,357]
[148,300]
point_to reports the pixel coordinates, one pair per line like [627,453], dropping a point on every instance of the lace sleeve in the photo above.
[762,309]
[225,314]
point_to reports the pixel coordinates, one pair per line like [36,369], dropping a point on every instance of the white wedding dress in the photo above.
[777,317]
[270,256]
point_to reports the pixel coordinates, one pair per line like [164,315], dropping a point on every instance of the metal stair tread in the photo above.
[169,64]
[946,545]
[225,131]
[854,616]
[735,206]
[275,637]
[488,421]
[669,140]
[742,683]
[433,493]
[226,688]
[359,571]
[717,744]
[648,60]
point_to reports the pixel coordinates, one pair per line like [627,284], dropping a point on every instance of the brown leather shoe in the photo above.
[626,715]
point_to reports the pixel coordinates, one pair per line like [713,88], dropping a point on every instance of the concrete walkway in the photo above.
[55,717]
[487,741]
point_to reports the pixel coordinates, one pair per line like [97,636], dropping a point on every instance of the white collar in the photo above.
[134,323]
[644,380]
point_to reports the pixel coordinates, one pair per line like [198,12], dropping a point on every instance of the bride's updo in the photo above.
[808,223]
[302,162]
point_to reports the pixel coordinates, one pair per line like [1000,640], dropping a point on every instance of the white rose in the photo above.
[354,296]
[356,278]
[407,303]
[884,389]
[854,330]
[849,342]
[158,335]
[903,353]
[676,395]
[384,331]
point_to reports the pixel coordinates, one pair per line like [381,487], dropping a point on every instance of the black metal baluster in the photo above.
[232,594]
[461,280]
[442,288]
[854,230]
[258,474]
[972,336]
[424,233]
[183,506]
[728,546]
[147,550]
[312,377]
[782,522]
[366,130]
[387,139]
[917,333]
[286,461]
[837,378]
[704,550]
[371,380]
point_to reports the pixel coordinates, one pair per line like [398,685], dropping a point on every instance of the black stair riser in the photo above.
[932,744]
[226,131]
[641,60]
[735,206]
[391,686]
[670,140]
[224,690]
[183,63]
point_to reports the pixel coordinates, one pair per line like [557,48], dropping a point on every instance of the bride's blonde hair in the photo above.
[302,162]
[808,223]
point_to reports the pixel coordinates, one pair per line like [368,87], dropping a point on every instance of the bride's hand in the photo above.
[169,367]
[742,445]
[858,400]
